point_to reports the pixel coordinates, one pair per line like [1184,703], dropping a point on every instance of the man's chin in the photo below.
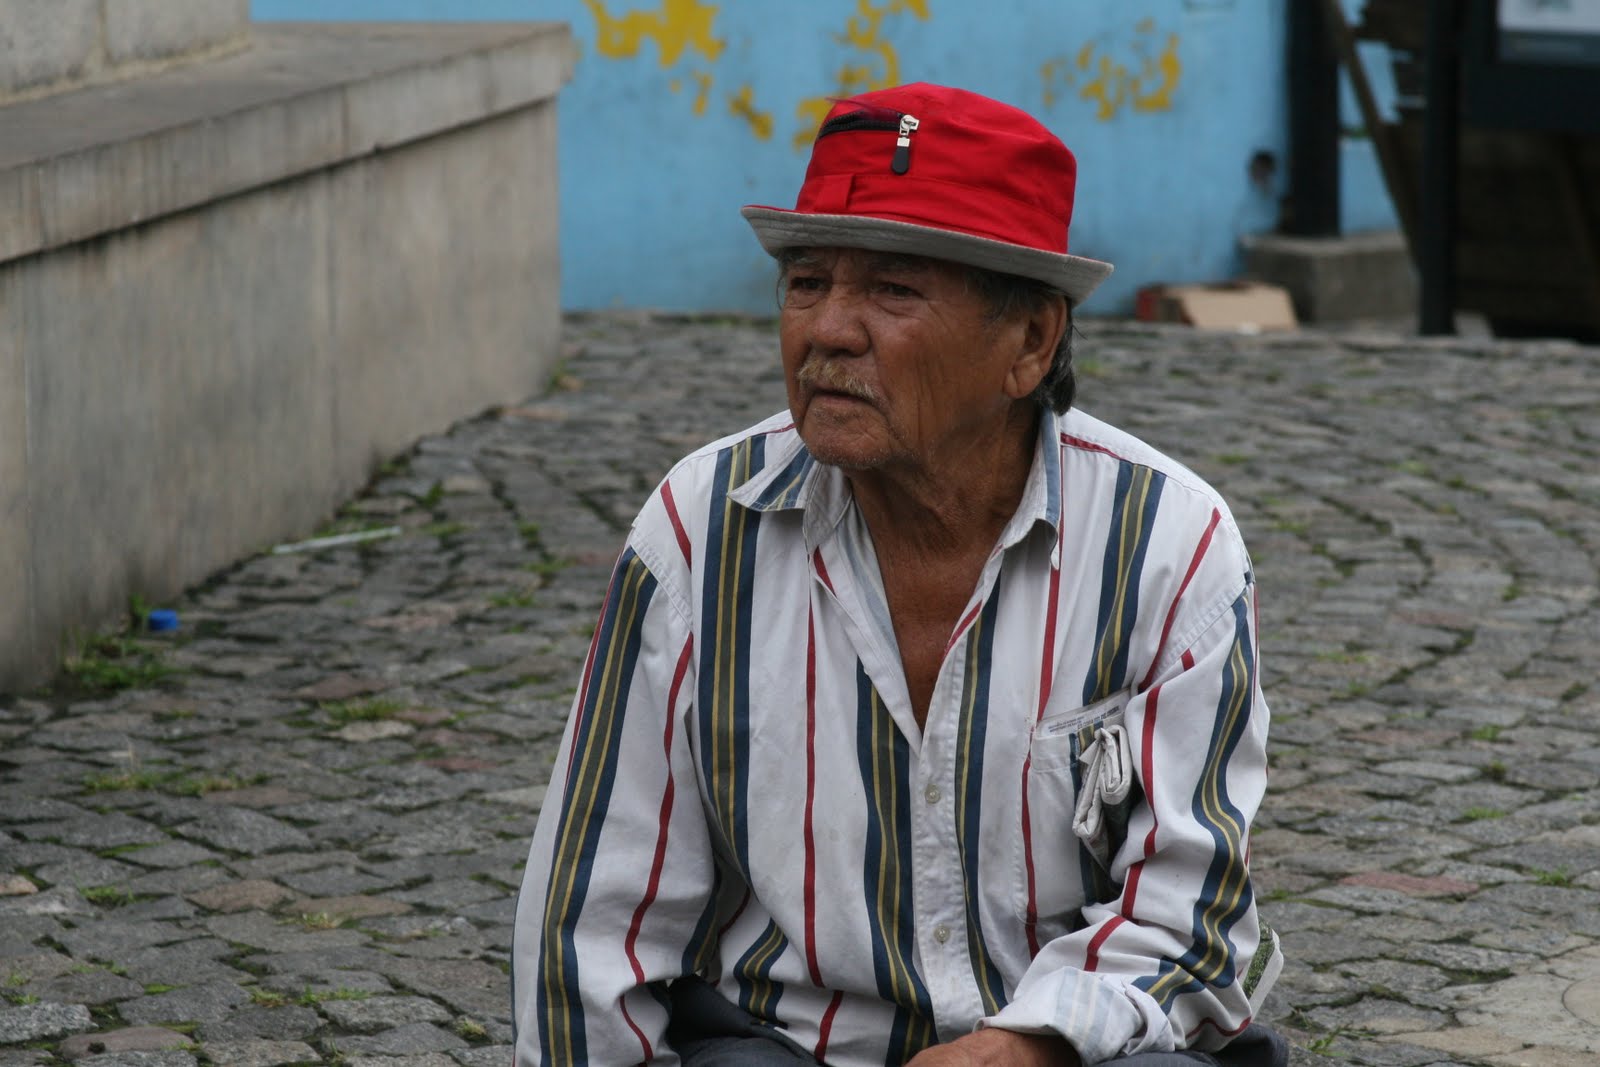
[846,455]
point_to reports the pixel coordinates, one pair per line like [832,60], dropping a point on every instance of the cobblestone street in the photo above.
[291,831]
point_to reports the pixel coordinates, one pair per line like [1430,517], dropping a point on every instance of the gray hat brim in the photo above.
[777,229]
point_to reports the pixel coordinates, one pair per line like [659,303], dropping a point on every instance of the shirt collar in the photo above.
[794,481]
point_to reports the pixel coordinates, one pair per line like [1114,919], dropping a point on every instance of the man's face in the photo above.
[892,362]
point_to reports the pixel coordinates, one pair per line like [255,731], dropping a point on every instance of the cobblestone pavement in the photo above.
[302,843]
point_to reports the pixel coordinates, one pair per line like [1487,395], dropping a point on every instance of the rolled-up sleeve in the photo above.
[1161,966]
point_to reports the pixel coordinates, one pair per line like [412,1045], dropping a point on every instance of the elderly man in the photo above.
[921,724]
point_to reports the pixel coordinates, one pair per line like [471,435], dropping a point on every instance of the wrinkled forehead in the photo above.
[815,258]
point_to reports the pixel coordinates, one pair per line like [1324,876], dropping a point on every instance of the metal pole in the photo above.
[1313,125]
[1437,210]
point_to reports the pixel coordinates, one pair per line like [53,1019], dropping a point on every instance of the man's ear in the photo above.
[1040,335]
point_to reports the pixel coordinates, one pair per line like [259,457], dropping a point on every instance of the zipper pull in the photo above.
[902,145]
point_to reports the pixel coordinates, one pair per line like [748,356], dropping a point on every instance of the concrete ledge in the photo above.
[56,45]
[156,29]
[228,293]
[1333,279]
[302,98]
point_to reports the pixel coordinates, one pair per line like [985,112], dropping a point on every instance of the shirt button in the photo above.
[932,794]
[941,933]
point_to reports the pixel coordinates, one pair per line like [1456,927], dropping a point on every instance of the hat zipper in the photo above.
[878,119]
[902,145]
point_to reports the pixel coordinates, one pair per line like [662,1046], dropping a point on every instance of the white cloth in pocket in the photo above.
[1107,769]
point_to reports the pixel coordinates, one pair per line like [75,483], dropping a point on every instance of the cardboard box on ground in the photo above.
[1246,306]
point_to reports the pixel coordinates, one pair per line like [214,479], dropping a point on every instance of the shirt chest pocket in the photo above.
[1079,773]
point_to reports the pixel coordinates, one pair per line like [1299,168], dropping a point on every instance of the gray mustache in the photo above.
[835,378]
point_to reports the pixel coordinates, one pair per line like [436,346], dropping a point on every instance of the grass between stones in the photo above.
[344,712]
[107,896]
[114,662]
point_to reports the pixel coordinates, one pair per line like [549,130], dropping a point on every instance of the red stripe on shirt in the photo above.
[1031,922]
[1047,674]
[1087,446]
[827,1026]
[677,523]
[961,627]
[1172,611]
[1091,957]
[1213,1024]
[644,1042]
[811,793]
[653,886]
[822,569]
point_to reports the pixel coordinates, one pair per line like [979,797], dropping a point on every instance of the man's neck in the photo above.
[955,508]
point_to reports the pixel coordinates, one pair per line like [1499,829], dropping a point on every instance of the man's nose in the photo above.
[837,324]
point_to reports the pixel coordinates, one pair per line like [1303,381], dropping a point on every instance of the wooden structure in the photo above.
[1525,233]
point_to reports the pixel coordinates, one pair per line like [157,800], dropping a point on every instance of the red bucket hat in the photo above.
[930,171]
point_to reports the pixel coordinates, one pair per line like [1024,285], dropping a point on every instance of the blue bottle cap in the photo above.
[161,620]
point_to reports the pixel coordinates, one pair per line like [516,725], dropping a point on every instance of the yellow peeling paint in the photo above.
[742,104]
[1146,83]
[1158,95]
[876,67]
[676,26]
[702,91]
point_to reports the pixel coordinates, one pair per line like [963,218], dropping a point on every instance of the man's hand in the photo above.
[999,1048]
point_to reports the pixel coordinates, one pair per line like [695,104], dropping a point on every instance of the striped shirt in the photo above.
[743,791]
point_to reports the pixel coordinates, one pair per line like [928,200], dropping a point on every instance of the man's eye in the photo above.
[802,283]
[898,291]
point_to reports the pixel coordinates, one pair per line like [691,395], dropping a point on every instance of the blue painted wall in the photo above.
[681,111]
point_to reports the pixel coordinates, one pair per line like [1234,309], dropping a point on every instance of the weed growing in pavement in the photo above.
[320,920]
[1343,656]
[1480,814]
[267,998]
[470,1029]
[9,993]
[161,780]
[107,896]
[343,712]
[1487,732]
[1495,771]
[513,598]
[1559,878]
[444,530]
[114,662]
[155,989]
[547,568]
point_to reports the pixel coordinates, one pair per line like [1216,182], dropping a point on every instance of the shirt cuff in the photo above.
[1099,1015]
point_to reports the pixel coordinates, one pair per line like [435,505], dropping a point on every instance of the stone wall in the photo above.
[50,45]
[228,291]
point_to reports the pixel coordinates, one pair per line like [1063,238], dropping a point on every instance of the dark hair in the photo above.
[1004,294]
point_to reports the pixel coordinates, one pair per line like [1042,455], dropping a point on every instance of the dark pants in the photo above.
[708,1031]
